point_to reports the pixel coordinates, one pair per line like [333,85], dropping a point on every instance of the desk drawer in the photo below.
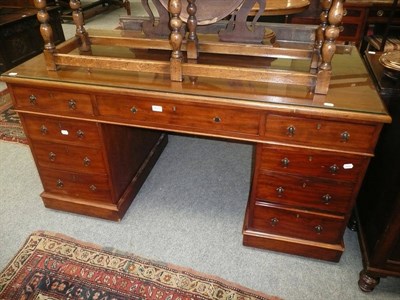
[61,130]
[312,162]
[84,186]
[190,116]
[321,133]
[306,192]
[298,224]
[56,102]
[66,157]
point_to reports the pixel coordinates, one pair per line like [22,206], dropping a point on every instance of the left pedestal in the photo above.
[85,167]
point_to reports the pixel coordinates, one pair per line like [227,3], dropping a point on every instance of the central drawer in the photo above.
[194,116]
[297,224]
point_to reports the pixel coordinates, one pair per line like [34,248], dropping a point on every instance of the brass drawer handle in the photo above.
[72,104]
[134,110]
[93,188]
[285,162]
[274,222]
[326,198]
[32,99]
[334,169]
[318,229]
[345,136]
[280,190]
[86,161]
[80,134]
[43,130]
[52,156]
[59,183]
[217,119]
[290,130]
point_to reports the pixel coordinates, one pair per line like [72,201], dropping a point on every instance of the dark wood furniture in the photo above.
[93,120]
[91,8]
[361,18]
[20,34]
[388,38]
[22,3]
[378,204]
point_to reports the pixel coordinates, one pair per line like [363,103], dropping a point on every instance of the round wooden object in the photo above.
[281,7]
[208,11]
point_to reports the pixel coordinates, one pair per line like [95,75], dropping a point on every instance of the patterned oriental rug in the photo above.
[51,266]
[10,126]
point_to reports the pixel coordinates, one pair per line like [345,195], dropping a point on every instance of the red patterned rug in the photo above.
[10,125]
[51,266]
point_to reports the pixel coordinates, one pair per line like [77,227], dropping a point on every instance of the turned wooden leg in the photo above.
[366,282]
[192,40]
[320,34]
[175,8]
[329,47]
[47,34]
[77,16]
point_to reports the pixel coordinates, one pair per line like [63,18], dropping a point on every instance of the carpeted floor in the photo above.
[10,126]
[59,267]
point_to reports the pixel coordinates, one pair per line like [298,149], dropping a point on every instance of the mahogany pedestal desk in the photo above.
[95,135]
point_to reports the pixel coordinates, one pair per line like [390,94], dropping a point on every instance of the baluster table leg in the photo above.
[47,34]
[329,47]
[192,41]
[175,8]
[77,16]
[320,34]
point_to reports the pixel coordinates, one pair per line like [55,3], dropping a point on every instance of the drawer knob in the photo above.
[334,169]
[345,136]
[217,119]
[32,99]
[93,188]
[134,110]
[285,162]
[326,198]
[43,130]
[274,222]
[290,130]
[318,229]
[71,104]
[380,13]
[86,161]
[80,134]
[280,190]
[59,183]
[52,156]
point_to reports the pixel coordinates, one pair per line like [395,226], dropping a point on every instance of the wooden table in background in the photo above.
[283,7]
